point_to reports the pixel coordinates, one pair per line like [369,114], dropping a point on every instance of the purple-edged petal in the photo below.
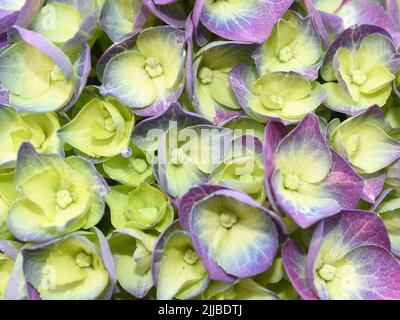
[373,186]
[334,240]
[304,152]
[311,182]
[274,133]
[212,94]
[82,68]
[302,54]
[352,38]
[169,11]
[242,79]
[294,262]
[145,71]
[176,268]
[231,231]
[39,42]
[250,21]
[42,275]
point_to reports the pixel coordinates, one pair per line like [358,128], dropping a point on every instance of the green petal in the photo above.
[177,276]
[221,90]
[296,109]
[130,171]
[370,148]
[287,32]
[287,86]
[378,78]
[57,22]
[56,97]
[117,200]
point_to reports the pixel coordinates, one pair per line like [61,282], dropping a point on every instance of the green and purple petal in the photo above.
[250,251]
[250,21]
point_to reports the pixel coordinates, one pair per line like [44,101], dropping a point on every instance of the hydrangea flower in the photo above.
[38,129]
[145,71]
[305,178]
[132,251]
[188,148]
[144,208]
[294,45]
[132,168]
[37,77]
[101,129]
[243,168]
[286,97]
[365,142]
[212,95]
[177,269]
[334,16]
[233,235]
[55,196]
[344,263]
[78,266]
[359,68]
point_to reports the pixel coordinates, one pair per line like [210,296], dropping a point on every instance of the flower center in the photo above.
[64,199]
[190,256]
[109,124]
[139,165]
[359,77]
[228,219]
[327,272]
[285,54]
[153,67]
[83,260]
[206,75]
[292,182]
[277,100]
[178,157]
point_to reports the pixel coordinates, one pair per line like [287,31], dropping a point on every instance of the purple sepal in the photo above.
[274,133]
[294,262]
[255,25]
[373,186]
[82,67]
